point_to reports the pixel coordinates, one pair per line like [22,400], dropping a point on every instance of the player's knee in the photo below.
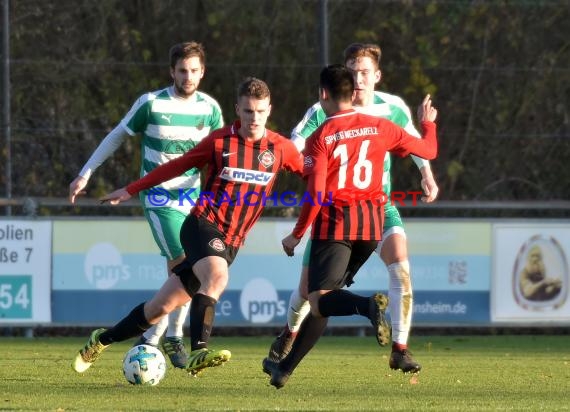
[315,312]
[314,302]
[391,256]
[304,283]
[393,249]
[154,310]
[215,285]
[304,291]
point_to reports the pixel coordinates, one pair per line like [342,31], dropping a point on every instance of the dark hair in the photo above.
[356,50]
[253,87]
[185,50]
[338,81]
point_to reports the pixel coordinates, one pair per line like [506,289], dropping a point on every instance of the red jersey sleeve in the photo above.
[315,171]
[292,158]
[404,144]
[198,156]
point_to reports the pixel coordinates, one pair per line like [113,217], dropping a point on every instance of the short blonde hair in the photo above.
[356,50]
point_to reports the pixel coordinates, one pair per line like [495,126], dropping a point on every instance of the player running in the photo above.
[242,158]
[343,159]
[363,61]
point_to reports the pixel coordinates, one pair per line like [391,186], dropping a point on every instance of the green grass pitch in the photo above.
[460,373]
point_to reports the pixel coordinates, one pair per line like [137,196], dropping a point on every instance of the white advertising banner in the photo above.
[25,271]
[530,278]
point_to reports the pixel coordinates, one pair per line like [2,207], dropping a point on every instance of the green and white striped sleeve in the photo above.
[313,118]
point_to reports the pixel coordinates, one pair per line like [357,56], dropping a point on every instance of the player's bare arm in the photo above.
[76,188]
[429,186]
[426,112]
[116,197]
[289,243]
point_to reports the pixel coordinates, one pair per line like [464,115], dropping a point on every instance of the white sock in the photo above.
[153,334]
[297,311]
[176,320]
[401,301]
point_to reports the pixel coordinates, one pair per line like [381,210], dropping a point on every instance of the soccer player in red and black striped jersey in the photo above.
[242,163]
[343,165]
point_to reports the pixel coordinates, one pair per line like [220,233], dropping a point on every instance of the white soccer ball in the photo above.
[144,365]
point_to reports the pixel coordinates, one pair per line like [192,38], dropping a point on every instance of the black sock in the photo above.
[311,330]
[343,303]
[130,326]
[202,312]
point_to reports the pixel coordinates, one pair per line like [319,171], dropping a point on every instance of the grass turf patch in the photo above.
[467,373]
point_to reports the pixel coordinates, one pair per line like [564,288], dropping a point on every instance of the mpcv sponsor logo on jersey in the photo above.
[104,266]
[259,302]
[234,174]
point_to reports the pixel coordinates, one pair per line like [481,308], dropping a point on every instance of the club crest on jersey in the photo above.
[308,161]
[256,177]
[217,244]
[266,158]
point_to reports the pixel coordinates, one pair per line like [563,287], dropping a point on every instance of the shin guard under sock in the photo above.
[202,312]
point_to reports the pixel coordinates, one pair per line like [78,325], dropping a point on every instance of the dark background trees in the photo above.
[499,72]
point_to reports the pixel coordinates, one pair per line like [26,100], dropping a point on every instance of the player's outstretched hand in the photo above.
[426,111]
[289,244]
[118,196]
[430,189]
[76,188]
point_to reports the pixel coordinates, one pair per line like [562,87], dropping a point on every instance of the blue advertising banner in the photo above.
[115,265]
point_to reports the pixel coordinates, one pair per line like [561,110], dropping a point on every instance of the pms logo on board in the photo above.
[259,302]
[104,266]
[235,174]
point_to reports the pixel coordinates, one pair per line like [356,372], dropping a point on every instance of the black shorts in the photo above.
[200,239]
[333,263]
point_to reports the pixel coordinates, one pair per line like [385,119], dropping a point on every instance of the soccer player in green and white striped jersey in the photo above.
[363,60]
[169,121]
